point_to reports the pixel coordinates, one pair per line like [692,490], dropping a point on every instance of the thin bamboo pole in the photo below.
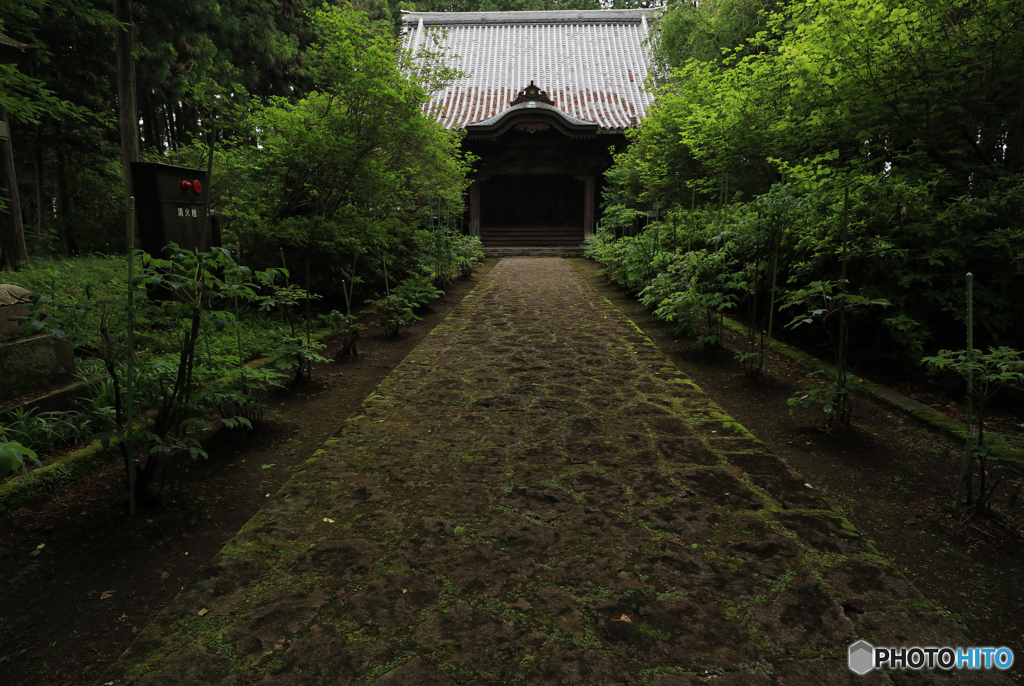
[841,352]
[689,237]
[965,468]
[130,382]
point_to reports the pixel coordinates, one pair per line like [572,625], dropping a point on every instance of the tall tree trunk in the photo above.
[147,122]
[151,124]
[12,233]
[40,214]
[67,240]
[1015,137]
[176,126]
[168,125]
[124,34]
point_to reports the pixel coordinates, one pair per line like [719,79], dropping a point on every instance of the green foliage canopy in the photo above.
[913,105]
[347,167]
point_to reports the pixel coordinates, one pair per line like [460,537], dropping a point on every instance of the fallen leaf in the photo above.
[107,594]
[624,618]
[202,612]
[328,520]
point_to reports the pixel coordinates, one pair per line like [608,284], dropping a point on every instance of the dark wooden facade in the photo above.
[543,98]
[539,175]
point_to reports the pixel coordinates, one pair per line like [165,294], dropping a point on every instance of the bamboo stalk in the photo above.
[130,382]
[844,399]
[689,238]
[965,468]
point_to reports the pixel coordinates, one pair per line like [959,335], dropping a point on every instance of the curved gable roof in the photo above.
[592,63]
[531,112]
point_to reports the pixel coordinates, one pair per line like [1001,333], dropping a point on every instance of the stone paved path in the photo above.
[536,495]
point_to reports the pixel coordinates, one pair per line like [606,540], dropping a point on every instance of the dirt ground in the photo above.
[74,604]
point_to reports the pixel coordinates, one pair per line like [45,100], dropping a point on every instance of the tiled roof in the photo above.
[593,63]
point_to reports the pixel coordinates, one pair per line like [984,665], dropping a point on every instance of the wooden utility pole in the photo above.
[124,36]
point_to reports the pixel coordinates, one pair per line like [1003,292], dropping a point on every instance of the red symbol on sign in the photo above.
[197,186]
[186,186]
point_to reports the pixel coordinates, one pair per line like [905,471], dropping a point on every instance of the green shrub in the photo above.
[14,457]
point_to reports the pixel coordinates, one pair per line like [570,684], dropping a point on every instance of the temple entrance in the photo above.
[531,210]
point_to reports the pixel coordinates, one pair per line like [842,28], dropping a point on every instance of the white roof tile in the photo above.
[593,64]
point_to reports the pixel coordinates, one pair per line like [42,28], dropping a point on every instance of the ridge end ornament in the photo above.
[532,93]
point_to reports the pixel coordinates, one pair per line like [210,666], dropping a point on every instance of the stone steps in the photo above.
[509,236]
[535,251]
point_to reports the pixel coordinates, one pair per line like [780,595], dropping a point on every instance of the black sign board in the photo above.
[170,207]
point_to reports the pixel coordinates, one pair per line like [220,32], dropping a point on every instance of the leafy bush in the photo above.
[14,457]
[926,203]
[418,291]
[828,303]
[627,260]
[693,290]
[45,432]
[985,373]
[170,380]
[345,327]
[344,170]
[392,312]
[71,277]
[469,254]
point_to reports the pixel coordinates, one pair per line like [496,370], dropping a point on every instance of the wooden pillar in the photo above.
[474,204]
[588,206]
[12,231]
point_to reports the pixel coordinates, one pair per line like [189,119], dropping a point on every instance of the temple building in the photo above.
[544,99]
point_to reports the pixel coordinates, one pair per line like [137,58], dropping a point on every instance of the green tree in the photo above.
[345,168]
[708,31]
[914,106]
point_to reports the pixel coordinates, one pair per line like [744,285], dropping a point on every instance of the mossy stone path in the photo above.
[536,495]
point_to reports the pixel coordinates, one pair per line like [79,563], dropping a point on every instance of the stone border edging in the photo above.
[927,417]
[49,479]
[45,481]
